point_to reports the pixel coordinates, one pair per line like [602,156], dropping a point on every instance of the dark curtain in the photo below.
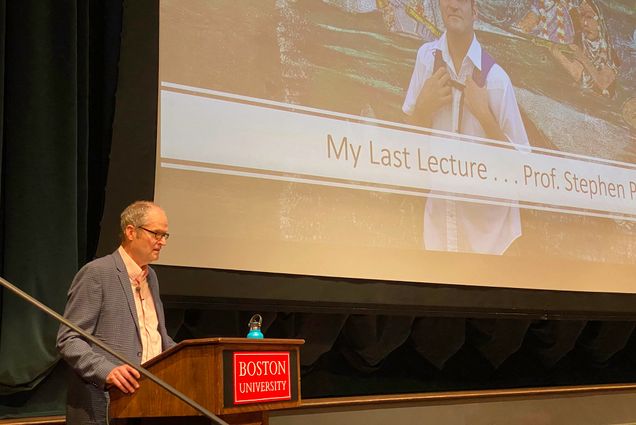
[58,65]
[363,354]
[59,69]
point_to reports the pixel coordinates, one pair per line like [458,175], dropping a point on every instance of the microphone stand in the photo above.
[215,419]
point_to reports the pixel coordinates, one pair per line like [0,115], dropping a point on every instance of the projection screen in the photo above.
[287,142]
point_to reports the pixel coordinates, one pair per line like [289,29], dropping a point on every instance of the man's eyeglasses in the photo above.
[158,236]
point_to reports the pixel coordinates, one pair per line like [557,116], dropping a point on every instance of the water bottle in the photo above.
[255,327]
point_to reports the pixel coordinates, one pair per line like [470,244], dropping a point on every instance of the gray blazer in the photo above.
[100,301]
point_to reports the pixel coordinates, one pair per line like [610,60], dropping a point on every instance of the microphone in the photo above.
[138,289]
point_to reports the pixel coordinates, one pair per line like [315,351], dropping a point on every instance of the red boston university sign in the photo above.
[261,376]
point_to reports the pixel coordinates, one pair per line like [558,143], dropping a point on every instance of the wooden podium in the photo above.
[227,376]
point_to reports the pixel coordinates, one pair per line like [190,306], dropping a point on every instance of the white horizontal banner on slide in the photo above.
[206,130]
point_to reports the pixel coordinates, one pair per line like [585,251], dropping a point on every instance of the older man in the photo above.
[457,87]
[116,299]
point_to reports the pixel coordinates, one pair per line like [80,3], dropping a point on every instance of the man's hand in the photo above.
[435,93]
[578,53]
[555,50]
[125,378]
[476,99]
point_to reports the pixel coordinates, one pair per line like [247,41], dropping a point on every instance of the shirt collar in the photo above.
[132,268]
[474,51]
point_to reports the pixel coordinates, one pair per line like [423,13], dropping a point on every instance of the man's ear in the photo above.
[129,232]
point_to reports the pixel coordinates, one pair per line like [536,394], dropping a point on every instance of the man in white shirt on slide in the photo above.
[435,100]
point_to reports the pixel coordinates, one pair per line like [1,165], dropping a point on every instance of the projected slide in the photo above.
[374,139]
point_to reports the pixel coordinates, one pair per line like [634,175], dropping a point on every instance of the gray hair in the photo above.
[134,215]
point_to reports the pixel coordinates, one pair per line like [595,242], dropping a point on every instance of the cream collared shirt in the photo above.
[145,305]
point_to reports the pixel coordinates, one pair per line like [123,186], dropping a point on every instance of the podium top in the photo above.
[231,343]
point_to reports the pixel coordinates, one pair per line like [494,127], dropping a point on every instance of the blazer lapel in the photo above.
[124,280]
[154,290]
[152,285]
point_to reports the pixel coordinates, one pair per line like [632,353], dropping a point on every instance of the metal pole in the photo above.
[20,293]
